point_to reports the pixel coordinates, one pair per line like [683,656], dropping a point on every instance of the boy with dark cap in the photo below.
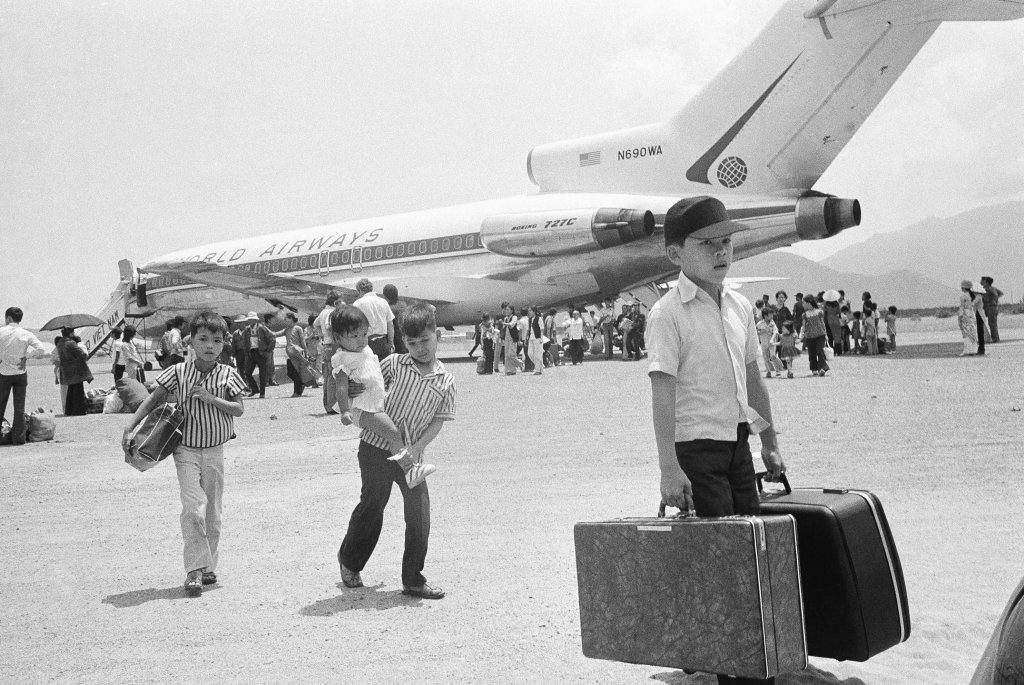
[707,394]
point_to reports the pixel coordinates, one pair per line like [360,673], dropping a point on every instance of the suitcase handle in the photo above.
[691,514]
[761,475]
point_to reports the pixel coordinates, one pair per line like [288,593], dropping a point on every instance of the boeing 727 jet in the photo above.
[758,137]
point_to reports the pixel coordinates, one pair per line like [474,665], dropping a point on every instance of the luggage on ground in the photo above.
[855,598]
[720,595]
[42,426]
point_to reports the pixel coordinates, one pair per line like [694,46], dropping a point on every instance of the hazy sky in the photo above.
[130,129]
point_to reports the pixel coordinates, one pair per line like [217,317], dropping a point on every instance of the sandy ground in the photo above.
[91,562]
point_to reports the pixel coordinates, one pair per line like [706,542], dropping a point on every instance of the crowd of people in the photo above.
[824,325]
[531,339]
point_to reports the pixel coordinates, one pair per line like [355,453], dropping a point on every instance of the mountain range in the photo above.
[918,266]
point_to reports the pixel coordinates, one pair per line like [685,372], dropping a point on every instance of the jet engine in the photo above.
[564,232]
[823,216]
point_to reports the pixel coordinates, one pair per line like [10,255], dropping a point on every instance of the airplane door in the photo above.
[357,259]
[325,263]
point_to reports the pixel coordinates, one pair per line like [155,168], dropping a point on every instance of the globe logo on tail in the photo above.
[732,172]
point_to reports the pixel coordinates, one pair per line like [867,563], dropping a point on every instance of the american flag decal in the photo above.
[590,158]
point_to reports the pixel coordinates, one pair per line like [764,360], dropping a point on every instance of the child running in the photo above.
[355,361]
[211,394]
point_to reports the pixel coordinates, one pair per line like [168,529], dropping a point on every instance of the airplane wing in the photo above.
[309,295]
[281,287]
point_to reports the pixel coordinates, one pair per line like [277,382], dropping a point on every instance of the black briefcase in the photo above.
[855,598]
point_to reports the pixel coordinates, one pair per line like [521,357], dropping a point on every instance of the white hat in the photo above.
[240,318]
[252,317]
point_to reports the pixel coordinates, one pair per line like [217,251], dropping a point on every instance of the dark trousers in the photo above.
[981,332]
[380,345]
[296,375]
[118,372]
[607,330]
[258,363]
[993,323]
[378,475]
[722,476]
[816,353]
[242,362]
[75,403]
[488,346]
[18,384]
[576,350]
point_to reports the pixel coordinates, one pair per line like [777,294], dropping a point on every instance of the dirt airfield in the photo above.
[91,560]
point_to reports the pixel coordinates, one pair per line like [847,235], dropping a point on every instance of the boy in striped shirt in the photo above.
[211,394]
[420,398]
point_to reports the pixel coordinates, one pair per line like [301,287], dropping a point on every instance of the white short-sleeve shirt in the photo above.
[377,311]
[706,348]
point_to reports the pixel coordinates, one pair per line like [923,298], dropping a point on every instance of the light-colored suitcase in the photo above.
[720,595]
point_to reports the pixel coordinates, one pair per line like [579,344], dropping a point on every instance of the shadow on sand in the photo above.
[808,676]
[137,597]
[370,597]
[937,350]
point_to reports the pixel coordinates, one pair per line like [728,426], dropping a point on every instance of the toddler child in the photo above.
[788,349]
[870,335]
[768,337]
[355,361]
[856,329]
[890,328]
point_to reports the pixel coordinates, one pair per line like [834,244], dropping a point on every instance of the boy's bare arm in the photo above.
[157,397]
[232,407]
[676,490]
[341,394]
[757,397]
[418,447]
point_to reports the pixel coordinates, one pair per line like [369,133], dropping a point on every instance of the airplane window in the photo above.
[367,254]
[433,246]
[295,263]
[335,259]
[446,245]
[470,242]
[378,252]
[345,256]
[390,251]
[458,242]
[400,250]
[303,262]
[423,247]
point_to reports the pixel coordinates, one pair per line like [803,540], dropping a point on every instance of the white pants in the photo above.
[535,348]
[201,479]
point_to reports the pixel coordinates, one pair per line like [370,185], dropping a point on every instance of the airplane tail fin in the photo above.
[776,117]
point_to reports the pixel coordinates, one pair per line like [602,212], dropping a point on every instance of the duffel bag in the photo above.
[156,438]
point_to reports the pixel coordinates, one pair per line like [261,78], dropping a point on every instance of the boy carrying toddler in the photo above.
[355,361]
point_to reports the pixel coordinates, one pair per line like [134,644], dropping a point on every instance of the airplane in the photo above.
[758,137]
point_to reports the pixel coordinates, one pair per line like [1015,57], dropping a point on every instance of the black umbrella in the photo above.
[71,321]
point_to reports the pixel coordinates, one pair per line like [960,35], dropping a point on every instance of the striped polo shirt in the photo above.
[414,399]
[205,425]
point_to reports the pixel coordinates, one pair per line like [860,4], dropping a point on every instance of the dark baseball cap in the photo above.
[699,217]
